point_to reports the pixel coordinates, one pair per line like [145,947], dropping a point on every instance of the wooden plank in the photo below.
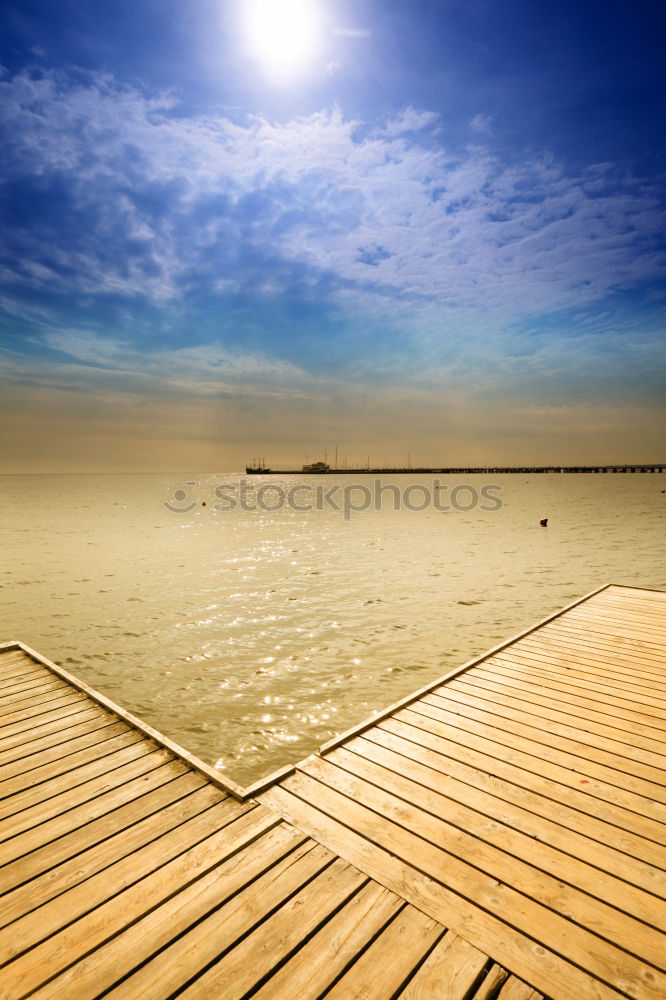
[170,970]
[17,666]
[634,733]
[609,753]
[595,676]
[575,943]
[49,763]
[559,979]
[87,722]
[25,688]
[30,728]
[638,615]
[603,629]
[213,775]
[516,989]
[491,985]
[390,959]
[546,708]
[312,969]
[594,633]
[28,971]
[258,952]
[651,605]
[62,834]
[633,624]
[40,707]
[645,662]
[18,687]
[75,886]
[633,620]
[600,824]
[128,764]
[120,955]
[648,712]
[91,765]
[469,855]
[619,786]
[641,761]
[468,810]
[539,817]
[39,711]
[451,971]
[599,632]
[560,690]
[596,658]
[624,809]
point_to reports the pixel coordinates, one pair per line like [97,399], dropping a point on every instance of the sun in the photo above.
[283,35]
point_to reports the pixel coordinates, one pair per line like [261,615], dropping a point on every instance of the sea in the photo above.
[250,619]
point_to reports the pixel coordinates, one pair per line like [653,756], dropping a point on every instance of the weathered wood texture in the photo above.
[521,803]
[498,835]
[125,871]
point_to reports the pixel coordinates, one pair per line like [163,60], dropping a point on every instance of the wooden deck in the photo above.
[500,833]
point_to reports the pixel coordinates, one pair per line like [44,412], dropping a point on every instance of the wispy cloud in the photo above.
[302,259]
[113,192]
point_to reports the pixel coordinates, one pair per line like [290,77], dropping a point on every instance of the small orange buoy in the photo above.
[544,522]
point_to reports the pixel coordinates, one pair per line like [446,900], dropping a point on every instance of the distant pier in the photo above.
[455,470]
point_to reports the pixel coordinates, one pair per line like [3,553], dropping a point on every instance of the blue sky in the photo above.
[440,232]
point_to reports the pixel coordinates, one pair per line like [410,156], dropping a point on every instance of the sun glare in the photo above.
[284,35]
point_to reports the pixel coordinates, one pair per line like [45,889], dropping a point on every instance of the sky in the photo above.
[239,228]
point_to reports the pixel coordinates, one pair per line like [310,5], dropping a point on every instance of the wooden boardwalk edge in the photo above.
[262,784]
[456,672]
[211,773]
[497,834]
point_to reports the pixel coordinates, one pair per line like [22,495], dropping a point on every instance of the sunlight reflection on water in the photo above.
[252,638]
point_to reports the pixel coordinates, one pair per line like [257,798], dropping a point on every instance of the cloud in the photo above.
[122,201]
[481,123]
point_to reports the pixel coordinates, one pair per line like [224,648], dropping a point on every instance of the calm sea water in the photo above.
[252,637]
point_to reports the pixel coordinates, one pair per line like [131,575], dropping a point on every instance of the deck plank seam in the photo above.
[111,861]
[522,679]
[95,728]
[171,896]
[583,747]
[503,849]
[500,793]
[584,815]
[548,698]
[94,844]
[513,828]
[117,765]
[467,900]
[594,935]
[583,791]
[541,653]
[98,743]
[496,713]
[144,874]
[546,710]
[307,938]
[230,945]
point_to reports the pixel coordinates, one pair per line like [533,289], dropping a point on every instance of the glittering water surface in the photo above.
[252,637]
